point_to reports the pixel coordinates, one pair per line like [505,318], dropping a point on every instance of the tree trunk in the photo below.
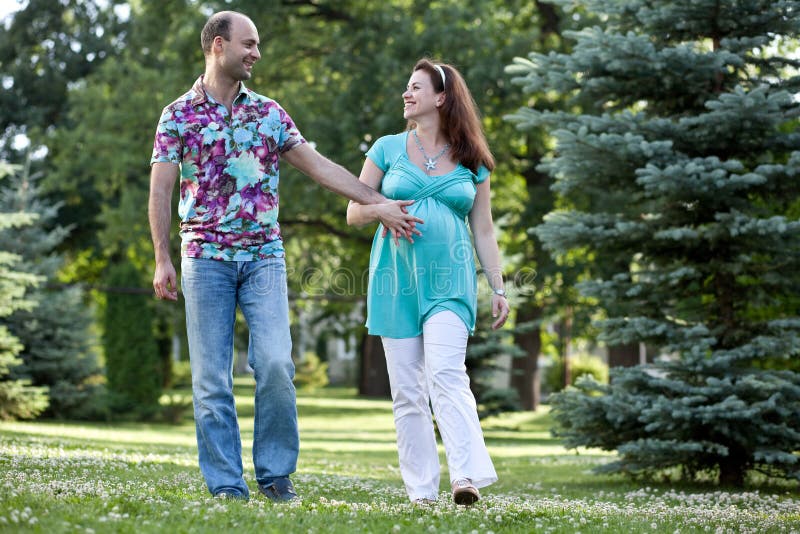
[549,19]
[565,333]
[374,378]
[731,473]
[623,355]
[525,375]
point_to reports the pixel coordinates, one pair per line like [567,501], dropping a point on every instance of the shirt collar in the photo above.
[201,97]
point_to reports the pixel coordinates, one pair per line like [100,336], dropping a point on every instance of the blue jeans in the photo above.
[212,289]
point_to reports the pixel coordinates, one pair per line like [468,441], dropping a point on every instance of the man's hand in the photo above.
[395,218]
[165,281]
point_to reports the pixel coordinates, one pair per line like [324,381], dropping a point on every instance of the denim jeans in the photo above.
[212,289]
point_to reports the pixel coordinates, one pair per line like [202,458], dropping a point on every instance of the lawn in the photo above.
[79,477]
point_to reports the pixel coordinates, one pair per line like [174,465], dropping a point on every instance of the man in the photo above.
[226,142]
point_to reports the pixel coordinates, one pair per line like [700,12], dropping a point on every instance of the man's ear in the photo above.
[217,44]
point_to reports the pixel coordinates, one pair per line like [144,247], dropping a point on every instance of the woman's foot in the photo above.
[464,492]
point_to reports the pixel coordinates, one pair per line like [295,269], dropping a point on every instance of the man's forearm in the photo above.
[339,180]
[159,211]
[330,175]
[160,216]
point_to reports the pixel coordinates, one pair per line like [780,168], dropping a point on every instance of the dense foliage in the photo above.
[681,180]
[18,399]
[56,330]
[132,363]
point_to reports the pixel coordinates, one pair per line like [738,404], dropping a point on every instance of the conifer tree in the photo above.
[681,180]
[18,399]
[56,331]
[132,358]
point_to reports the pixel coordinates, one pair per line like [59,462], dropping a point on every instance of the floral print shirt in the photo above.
[229,172]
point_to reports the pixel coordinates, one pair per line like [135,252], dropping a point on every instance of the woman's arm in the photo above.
[480,221]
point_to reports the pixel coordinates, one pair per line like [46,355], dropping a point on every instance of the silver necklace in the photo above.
[430,162]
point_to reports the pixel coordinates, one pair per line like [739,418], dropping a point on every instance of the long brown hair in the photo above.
[460,121]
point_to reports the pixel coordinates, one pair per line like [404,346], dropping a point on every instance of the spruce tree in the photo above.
[681,180]
[18,399]
[56,331]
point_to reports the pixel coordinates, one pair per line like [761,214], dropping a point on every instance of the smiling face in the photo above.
[240,53]
[420,97]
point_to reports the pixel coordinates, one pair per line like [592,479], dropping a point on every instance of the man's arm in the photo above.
[336,178]
[330,175]
[159,211]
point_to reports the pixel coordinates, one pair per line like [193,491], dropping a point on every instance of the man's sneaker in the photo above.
[464,492]
[279,490]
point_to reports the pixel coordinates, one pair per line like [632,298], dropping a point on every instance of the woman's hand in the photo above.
[500,310]
[394,216]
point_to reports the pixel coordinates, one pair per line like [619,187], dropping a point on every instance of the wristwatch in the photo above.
[501,292]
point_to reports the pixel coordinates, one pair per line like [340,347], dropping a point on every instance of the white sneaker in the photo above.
[464,492]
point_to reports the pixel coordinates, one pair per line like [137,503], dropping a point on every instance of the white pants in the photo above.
[431,367]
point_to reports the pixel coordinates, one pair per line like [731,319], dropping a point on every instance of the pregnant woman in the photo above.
[422,294]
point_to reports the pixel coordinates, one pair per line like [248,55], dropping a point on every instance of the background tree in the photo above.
[44,48]
[56,331]
[18,399]
[483,361]
[688,148]
[132,362]
[541,288]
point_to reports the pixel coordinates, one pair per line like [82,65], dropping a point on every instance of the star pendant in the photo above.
[430,164]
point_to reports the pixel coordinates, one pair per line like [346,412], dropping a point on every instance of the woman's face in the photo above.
[420,97]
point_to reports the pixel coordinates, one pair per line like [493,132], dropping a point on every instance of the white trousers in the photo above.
[431,368]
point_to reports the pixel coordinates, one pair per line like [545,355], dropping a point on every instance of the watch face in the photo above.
[500,292]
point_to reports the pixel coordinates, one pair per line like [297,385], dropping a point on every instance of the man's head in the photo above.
[230,44]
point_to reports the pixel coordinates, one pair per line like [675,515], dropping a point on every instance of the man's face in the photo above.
[241,52]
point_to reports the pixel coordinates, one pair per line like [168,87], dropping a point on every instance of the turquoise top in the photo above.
[410,282]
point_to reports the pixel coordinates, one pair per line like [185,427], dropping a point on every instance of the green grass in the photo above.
[80,477]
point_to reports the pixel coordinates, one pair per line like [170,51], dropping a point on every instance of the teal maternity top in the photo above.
[410,282]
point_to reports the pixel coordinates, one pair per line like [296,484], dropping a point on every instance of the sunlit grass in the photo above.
[91,477]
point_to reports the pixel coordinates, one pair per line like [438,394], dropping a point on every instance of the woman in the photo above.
[422,293]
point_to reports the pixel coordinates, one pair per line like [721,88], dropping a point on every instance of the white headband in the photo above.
[441,72]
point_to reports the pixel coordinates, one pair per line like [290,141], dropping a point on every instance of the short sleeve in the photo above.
[290,135]
[167,146]
[483,174]
[377,153]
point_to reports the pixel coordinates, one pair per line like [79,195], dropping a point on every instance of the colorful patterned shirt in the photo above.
[229,172]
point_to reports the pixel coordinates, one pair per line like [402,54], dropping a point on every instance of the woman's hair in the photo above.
[459,117]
